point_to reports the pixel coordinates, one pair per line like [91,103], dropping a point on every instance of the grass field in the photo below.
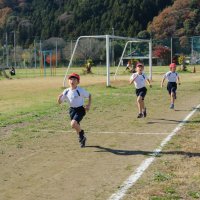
[40,157]
[97,70]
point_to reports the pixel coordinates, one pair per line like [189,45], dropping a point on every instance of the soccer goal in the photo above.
[134,54]
[102,51]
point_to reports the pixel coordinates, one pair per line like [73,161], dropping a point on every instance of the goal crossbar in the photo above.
[107,38]
[150,55]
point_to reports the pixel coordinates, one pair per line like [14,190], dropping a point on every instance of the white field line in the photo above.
[103,132]
[132,179]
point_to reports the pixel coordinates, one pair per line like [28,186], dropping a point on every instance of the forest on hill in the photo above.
[179,20]
[69,19]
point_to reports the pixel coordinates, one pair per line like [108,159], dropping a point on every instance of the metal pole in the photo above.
[108,60]
[3,53]
[51,63]
[150,59]
[192,51]
[35,59]
[7,61]
[71,47]
[171,49]
[14,48]
[113,53]
[70,62]
[120,61]
[56,53]
[44,64]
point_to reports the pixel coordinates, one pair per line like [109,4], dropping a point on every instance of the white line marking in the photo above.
[129,182]
[101,132]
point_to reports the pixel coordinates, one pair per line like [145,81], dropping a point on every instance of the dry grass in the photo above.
[40,157]
[175,174]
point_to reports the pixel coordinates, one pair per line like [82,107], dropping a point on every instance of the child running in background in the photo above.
[139,79]
[75,96]
[172,78]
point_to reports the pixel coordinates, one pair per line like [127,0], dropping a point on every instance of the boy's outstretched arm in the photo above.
[59,100]
[162,82]
[132,79]
[179,82]
[149,82]
[87,107]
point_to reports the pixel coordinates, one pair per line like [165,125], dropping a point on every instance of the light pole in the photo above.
[35,59]
[113,33]
[3,47]
[7,61]
[14,48]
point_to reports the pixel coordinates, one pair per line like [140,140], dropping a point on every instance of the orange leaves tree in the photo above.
[177,20]
[163,53]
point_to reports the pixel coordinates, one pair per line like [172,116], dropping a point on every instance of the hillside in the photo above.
[72,18]
[180,19]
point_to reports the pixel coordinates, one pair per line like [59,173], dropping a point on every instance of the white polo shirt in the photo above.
[171,76]
[75,97]
[139,80]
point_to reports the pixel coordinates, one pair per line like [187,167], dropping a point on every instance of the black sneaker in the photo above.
[145,112]
[82,141]
[140,115]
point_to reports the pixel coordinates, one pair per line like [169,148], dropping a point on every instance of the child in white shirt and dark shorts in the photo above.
[172,77]
[74,96]
[139,79]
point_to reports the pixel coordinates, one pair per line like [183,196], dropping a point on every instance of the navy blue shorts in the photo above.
[77,114]
[141,92]
[172,87]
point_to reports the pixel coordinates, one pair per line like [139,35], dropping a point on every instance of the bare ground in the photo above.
[47,163]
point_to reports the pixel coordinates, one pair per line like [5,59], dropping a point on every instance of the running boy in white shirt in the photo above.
[75,96]
[172,77]
[139,79]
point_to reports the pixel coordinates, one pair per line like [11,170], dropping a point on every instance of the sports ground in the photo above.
[40,157]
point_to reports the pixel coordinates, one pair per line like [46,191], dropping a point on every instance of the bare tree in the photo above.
[90,48]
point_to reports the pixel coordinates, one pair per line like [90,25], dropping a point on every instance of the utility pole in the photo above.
[7,61]
[56,53]
[113,56]
[35,55]
[171,49]
[14,48]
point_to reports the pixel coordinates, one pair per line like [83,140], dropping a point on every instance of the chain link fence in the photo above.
[55,53]
[171,49]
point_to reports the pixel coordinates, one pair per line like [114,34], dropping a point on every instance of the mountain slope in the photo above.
[180,19]
[72,18]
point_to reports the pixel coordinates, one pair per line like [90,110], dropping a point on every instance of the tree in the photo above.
[143,34]
[180,19]
[163,53]
[90,49]
[52,42]
[25,29]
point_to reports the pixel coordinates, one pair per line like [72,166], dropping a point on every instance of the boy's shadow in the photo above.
[164,121]
[170,121]
[139,152]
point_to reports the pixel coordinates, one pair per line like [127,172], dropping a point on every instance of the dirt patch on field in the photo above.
[42,159]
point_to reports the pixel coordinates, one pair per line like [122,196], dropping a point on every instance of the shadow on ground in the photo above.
[138,152]
[171,121]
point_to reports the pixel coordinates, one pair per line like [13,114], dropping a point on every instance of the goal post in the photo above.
[74,50]
[107,39]
[135,40]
